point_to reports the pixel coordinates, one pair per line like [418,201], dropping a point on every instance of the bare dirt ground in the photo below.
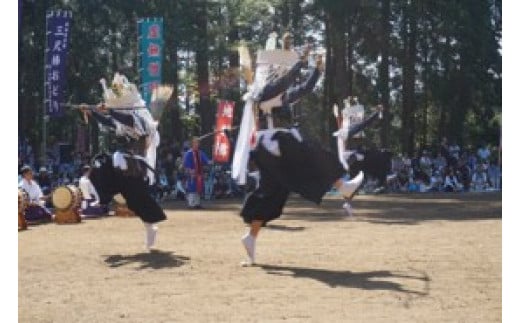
[402,258]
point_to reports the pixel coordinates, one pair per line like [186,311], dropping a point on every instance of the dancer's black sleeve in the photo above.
[294,93]
[103,119]
[363,124]
[280,84]
[124,118]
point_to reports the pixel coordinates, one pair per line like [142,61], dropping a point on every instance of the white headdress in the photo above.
[121,93]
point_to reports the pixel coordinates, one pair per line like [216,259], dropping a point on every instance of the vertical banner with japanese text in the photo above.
[224,120]
[150,55]
[56,51]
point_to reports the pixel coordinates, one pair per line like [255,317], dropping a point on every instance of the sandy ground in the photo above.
[402,258]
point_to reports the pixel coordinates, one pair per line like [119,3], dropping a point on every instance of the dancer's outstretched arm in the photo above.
[104,119]
[280,84]
[124,118]
[294,93]
[363,124]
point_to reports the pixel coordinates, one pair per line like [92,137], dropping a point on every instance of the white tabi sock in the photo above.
[348,188]
[249,243]
[348,209]
[151,233]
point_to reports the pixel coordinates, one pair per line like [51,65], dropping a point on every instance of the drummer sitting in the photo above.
[90,206]
[36,210]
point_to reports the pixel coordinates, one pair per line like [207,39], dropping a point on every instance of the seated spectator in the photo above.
[401,182]
[163,185]
[423,186]
[234,190]
[436,182]
[208,186]
[425,163]
[451,184]
[413,186]
[494,174]
[90,206]
[463,173]
[36,210]
[472,162]
[219,189]
[180,183]
[45,182]
[479,181]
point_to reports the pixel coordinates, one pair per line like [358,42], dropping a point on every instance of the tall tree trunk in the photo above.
[285,15]
[234,61]
[327,86]
[337,73]
[445,99]
[383,72]
[425,75]
[410,37]
[296,18]
[173,104]
[426,67]
[350,52]
[201,58]
[338,50]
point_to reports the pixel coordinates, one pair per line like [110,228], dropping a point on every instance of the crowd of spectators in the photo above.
[171,183]
[172,177]
[57,170]
[448,168]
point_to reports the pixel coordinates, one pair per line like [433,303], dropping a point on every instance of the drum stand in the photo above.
[22,224]
[123,211]
[67,216]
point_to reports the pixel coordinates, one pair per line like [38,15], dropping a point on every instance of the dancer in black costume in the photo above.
[286,162]
[130,170]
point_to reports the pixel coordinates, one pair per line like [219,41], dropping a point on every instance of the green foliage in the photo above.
[447,74]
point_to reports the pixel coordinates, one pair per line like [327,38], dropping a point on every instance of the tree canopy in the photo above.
[435,66]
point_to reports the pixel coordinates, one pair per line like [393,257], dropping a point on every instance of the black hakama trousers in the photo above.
[138,199]
[303,167]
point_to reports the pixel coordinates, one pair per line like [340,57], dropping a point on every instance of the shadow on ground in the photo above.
[371,280]
[154,259]
[282,227]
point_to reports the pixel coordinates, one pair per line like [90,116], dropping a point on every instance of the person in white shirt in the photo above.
[451,184]
[36,210]
[90,206]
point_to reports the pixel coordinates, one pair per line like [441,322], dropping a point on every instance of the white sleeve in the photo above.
[38,191]
[119,161]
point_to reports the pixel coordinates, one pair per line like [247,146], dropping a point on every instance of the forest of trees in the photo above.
[434,65]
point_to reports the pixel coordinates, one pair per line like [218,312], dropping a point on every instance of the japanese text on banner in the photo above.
[224,120]
[56,51]
[151,51]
